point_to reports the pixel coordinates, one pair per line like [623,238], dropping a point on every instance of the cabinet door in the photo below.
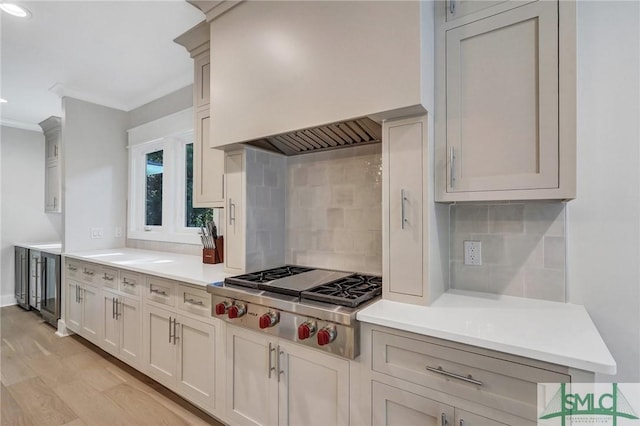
[404,152]
[313,387]
[52,188]
[91,306]
[397,407]
[110,326]
[130,322]
[208,166]
[234,233]
[202,79]
[74,307]
[160,354]
[196,361]
[466,418]
[502,101]
[252,386]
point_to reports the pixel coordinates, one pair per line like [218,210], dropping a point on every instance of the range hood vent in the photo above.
[343,134]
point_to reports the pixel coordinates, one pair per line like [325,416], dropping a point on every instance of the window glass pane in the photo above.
[153,196]
[194,217]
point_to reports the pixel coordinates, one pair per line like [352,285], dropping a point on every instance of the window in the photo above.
[161,184]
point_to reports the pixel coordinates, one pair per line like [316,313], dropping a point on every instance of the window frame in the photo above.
[170,134]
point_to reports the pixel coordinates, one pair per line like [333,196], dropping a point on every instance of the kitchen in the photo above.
[589,245]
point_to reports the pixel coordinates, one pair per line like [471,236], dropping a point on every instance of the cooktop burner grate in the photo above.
[349,291]
[255,278]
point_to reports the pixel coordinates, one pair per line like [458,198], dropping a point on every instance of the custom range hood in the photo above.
[342,134]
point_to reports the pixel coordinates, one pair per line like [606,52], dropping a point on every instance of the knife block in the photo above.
[213,256]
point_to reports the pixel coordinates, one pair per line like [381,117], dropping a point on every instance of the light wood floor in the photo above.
[48,380]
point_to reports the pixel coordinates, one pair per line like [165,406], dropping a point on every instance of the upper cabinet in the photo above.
[305,64]
[505,99]
[208,164]
[52,128]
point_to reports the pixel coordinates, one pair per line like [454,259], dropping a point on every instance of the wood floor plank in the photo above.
[51,369]
[11,414]
[40,403]
[14,370]
[142,408]
[92,406]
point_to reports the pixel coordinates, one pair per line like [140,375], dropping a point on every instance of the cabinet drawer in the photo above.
[160,290]
[194,300]
[73,269]
[130,282]
[109,277]
[494,382]
[90,273]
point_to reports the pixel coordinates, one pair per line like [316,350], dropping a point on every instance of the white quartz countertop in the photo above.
[179,267]
[558,333]
[53,247]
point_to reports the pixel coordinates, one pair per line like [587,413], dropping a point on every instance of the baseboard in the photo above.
[8,300]
[63,331]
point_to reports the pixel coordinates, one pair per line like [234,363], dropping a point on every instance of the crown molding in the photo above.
[7,122]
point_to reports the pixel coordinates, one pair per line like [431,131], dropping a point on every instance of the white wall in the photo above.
[603,223]
[22,211]
[94,175]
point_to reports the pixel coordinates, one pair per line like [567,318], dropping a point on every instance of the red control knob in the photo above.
[306,330]
[268,320]
[326,336]
[236,311]
[221,308]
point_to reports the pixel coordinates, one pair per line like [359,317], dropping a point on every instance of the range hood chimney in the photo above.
[342,134]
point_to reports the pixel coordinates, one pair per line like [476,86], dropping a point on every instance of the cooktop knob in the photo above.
[221,308]
[326,335]
[306,330]
[236,311]
[268,320]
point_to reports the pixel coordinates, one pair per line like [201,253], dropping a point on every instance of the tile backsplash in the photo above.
[523,248]
[334,209]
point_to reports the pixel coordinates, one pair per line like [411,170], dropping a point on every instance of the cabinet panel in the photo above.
[252,389]
[397,407]
[91,306]
[130,282]
[196,361]
[160,354]
[74,307]
[502,101]
[466,418]
[52,188]
[160,290]
[326,402]
[202,79]
[404,149]
[109,324]
[234,229]
[208,166]
[130,317]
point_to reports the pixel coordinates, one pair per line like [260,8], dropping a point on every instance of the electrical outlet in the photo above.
[97,233]
[118,233]
[473,253]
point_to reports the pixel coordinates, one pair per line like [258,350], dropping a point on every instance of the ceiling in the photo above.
[119,54]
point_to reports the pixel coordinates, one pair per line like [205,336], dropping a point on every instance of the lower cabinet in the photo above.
[411,379]
[271,381]
[121,327]
[394,406]
[180,353]
[84,310]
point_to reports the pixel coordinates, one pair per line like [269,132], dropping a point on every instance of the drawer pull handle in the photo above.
[128,283]
[72,268]
[160,292]
[107,277]
[90,273]
[194,302]
[468,378]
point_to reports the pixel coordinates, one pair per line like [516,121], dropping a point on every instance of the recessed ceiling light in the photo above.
[3,101]
[15,10]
